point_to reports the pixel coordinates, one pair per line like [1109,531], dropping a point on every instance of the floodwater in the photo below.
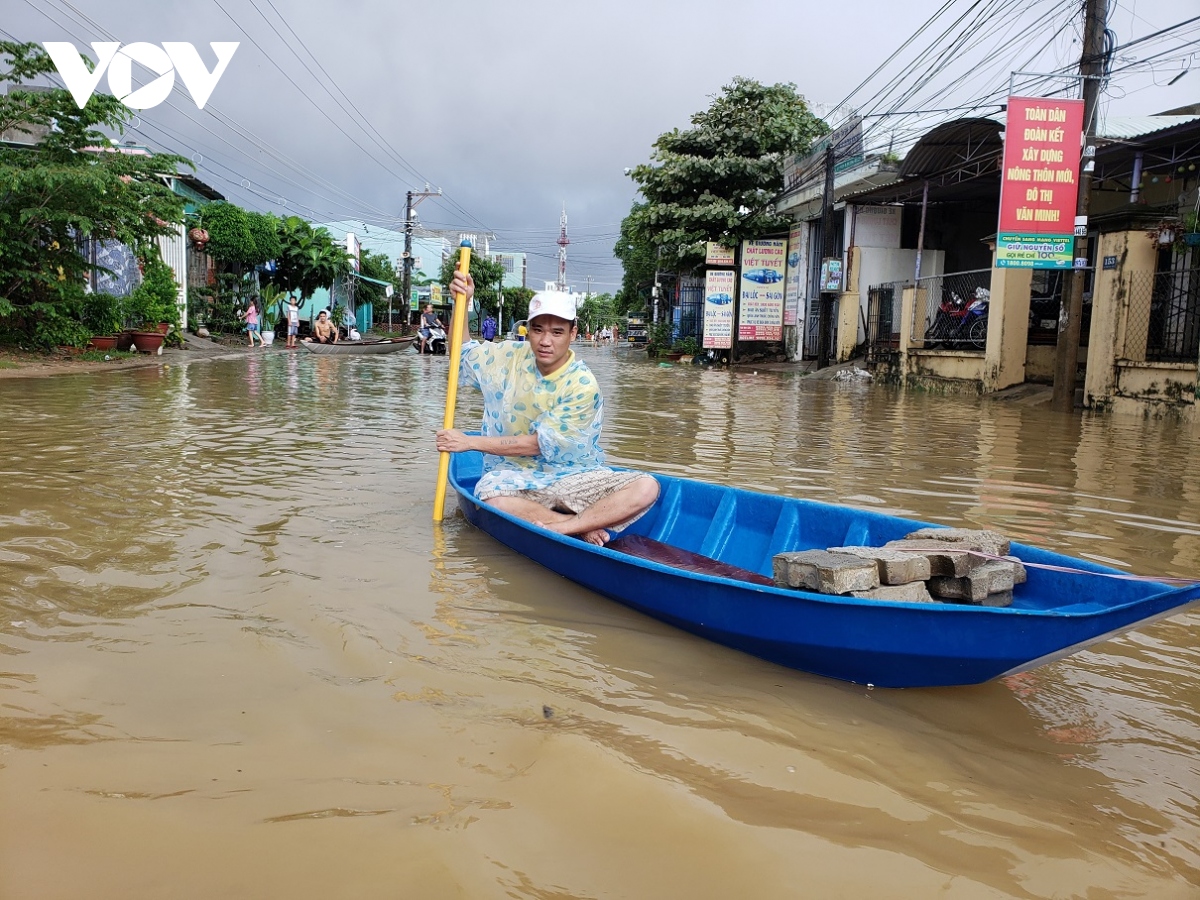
[238,660]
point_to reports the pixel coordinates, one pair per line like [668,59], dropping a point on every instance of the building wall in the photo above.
[515,267]
[174,250]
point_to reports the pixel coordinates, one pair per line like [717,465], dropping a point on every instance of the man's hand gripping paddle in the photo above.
[454,352]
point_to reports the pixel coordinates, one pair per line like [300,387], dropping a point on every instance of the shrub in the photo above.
[102,313]
[156,299]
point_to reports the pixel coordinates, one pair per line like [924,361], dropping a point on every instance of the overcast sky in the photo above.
[514,109]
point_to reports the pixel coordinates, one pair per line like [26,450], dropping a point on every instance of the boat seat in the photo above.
[664,554]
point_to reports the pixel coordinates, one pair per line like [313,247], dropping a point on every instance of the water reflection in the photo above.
[221,582]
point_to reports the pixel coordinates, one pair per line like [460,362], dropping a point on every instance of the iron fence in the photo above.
[1164,313]
[950,315]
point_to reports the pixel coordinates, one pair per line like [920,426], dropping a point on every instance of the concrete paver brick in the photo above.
[895,566]
[991,542]
[913,592]
[828,573]
[945,559]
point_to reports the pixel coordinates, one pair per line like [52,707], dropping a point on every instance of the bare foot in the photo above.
[597,536]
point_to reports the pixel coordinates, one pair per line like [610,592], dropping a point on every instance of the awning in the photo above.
[372,280]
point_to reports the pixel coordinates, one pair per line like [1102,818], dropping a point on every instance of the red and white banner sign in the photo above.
[1040,184]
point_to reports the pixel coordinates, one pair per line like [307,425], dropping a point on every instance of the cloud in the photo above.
[512,109]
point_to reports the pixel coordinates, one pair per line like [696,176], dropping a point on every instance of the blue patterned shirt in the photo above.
[564,409]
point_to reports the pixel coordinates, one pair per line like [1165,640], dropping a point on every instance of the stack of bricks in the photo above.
[932,565]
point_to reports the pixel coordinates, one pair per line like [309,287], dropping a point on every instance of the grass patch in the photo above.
[5,364]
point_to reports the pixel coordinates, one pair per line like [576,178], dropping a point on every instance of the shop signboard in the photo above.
[719,285]
[1040,184]
[761,290]
[795,275]
[718,255]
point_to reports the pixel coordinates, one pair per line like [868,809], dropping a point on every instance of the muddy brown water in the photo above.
[237,659]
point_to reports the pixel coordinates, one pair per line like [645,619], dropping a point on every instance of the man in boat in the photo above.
[542,413]
[324,331]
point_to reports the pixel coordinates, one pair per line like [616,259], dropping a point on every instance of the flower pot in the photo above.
[164,327]
[268,338]
[103,342]
[124,340]
[147,341]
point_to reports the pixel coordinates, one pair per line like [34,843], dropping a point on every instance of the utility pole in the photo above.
[409,215]
[825,314]
[500,304]
[1091,67]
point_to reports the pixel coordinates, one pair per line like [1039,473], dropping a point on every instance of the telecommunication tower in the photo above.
[562,250]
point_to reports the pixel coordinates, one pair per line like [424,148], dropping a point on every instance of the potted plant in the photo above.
[272,312]
[102,315]
[152,308]
[1165,231]
[338,318]
[687,346]
[1191,228]
[199,238]
[659,339]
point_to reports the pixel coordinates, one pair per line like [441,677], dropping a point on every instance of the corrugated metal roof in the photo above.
[1125,128]
[952,144]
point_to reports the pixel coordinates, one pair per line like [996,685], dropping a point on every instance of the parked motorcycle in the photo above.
[960,321]
[435,344]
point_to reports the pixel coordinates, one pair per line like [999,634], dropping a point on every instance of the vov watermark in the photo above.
[173,57]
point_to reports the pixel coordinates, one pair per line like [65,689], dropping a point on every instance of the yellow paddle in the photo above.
[454,351]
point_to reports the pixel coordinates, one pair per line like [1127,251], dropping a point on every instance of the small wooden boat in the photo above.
[357,348]
[727,539]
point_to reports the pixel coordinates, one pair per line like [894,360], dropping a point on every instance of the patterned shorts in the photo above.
[575,493]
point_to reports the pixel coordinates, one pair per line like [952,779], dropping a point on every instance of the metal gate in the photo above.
[883,317]
[688,314]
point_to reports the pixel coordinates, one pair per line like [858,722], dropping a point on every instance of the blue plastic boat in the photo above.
[884,643]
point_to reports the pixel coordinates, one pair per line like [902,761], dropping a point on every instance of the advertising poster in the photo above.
[1040,184]
[760,300]
[831,275]
[717,255]
[795,276]
[719,285]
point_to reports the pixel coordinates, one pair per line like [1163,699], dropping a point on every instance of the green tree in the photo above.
[717,180]
[379,267]
[61,190]
[595,312]
[639,260]
[308,258]
[238,236]
[487,274]
[516,304]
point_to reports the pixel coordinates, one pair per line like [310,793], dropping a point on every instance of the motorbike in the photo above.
[960,321]
[435,344]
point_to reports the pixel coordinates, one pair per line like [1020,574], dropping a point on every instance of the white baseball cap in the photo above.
[552,303]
